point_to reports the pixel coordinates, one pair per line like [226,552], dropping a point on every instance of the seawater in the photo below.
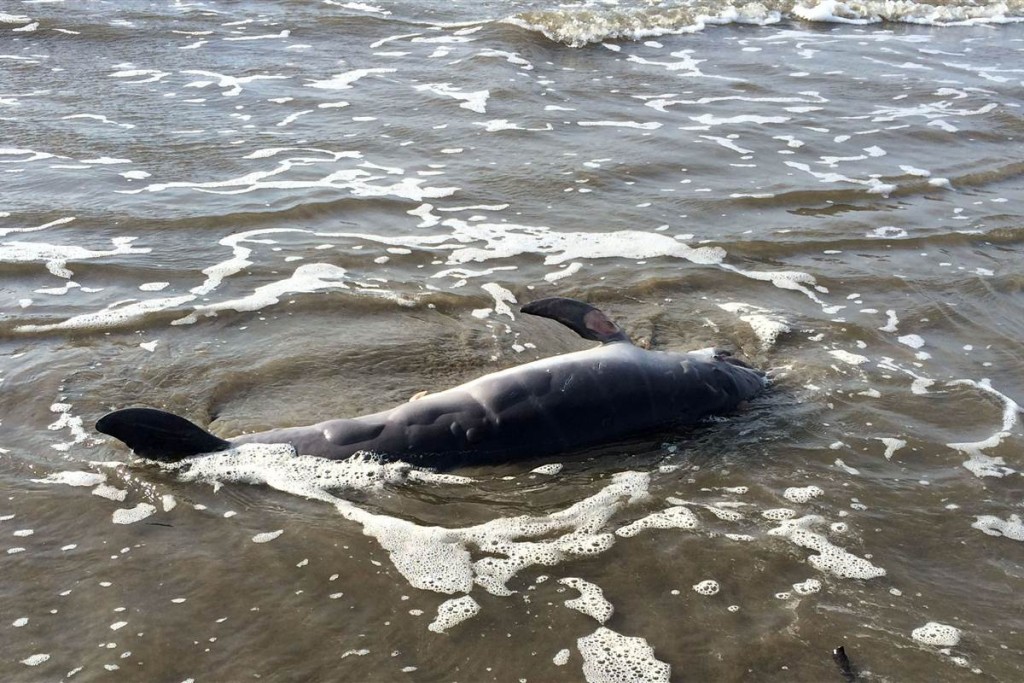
[269,214]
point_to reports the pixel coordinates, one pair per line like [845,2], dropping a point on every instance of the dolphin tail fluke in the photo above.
[581,318]
[159,435]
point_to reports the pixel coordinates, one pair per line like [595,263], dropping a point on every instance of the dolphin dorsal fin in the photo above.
[159,435]
[581,318]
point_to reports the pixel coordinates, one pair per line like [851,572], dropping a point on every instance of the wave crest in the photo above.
[577,27]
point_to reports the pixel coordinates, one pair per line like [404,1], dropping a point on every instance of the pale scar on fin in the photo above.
[418,395]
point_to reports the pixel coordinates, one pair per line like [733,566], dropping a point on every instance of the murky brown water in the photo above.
[269,214]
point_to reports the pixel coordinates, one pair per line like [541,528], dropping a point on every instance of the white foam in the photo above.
[807,587]
[891,322]
[645,125]
[474,101]
[360,182]
[561,657]
[591,600]
[707,587]
[56,256]
[793,280]
[70,422]
[148,75]
[360,7]
[610,657]
[568,271]
[937,635]
[912,340]
[507,240]
[892,445]
[116,314]
[232,84]
[830,558]
[308,277]
[453,612]
[73,478]
[552,469]
[60,221]
[802,494]
[978,463]
[846,468]
[1012,527]
[502,299]
[848,357]
[36,660]
[110,493]
[432,558]
[778,514]
[767,325]
[267,536]
[132,515]
[676,517]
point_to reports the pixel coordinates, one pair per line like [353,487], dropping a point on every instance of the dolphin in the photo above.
[553,405]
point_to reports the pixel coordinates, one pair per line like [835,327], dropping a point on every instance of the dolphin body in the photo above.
[552,405]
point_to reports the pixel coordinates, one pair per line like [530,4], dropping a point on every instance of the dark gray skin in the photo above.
[548,406]
[552,405]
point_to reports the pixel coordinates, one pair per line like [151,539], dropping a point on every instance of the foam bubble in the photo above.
[591,600]
[267,536]
[132,515]
[56,256]
[888,232]
[553,468]
[847,357]
[474,101]
[846,468]
[431,557]
[110,493]
[914,341]
[565,272]
[802,494]
[73,478]
[307,278]
[453,612]
[892,445]
[807,587]
[767,325]
[36,660]
[707,587]
[891,322]
[610,657]
[1011,528]
[978,463]
[561,658]
[937,635]
[118,313]
[676,517]
[830,558]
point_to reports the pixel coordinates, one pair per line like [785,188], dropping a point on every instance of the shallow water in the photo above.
[269,214]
